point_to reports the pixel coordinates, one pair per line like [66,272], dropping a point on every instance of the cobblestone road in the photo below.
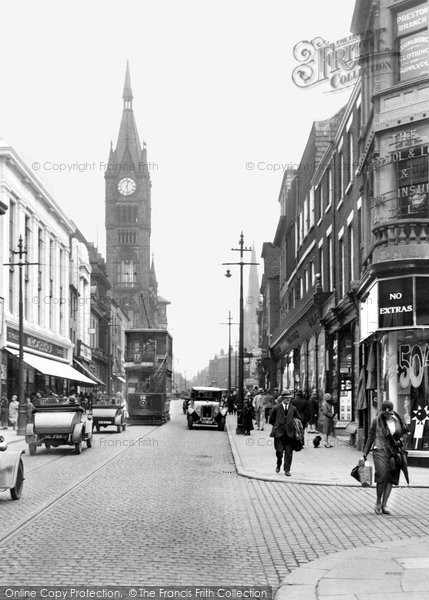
[171,510]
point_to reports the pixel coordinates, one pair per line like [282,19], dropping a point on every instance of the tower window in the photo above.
[125,236]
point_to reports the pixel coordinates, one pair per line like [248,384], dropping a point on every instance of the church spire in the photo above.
[128,93]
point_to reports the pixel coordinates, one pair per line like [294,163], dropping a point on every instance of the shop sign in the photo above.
[84,351]
[412,19]
[422,304]
[34,343]
[412,364]
[395,303]
[398,156]
[414,56]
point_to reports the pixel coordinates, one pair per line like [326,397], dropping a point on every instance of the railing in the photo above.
[401,231]
[139,356]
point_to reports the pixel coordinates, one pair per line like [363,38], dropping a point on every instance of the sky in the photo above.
[213,92]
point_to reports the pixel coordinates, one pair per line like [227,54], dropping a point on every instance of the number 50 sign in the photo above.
[412,363]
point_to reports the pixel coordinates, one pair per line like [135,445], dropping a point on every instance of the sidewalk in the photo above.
[254,457]
[383,571]
[10,435]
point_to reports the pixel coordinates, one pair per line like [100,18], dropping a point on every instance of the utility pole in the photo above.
[240,399]
[229,348]
[21,413]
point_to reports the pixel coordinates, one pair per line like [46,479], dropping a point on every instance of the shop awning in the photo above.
[55,368]
[90,374]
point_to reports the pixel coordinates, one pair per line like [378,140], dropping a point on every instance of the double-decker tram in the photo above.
[148,369]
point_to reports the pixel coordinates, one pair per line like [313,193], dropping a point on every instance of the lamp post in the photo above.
[240,399]
[22,420]
[229,348]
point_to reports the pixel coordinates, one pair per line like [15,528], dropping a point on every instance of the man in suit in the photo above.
[283,432]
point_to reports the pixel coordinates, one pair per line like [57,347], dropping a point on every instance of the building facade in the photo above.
[38,221]
[393,289]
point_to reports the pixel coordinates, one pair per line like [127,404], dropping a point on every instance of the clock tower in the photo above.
[128,220]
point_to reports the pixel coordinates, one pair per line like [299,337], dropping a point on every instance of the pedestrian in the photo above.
[268,404]
[313,413]
[247,415]
[386,440]
[4,411]
[13,411]
[283,431]
[258,407]
[29,410]
[301,404]
[328,418]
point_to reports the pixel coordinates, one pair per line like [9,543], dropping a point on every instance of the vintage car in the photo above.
[11,470]
[59,425]
[206,408]
[109,414]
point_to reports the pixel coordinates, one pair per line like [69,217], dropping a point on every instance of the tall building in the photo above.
[128,224]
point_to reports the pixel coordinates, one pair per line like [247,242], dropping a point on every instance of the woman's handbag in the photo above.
[355,473]
[365,473]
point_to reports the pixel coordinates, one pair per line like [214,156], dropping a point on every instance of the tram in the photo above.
[148,371]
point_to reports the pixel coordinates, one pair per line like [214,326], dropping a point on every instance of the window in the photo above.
[341,263]
[305,281]
[351,157]
[62,295]
[311,273]
[341,174]
[351,252]
[40,274]
[12,211]
[330,263]
[413,185]
[51,283]
[306,222]
[27,247]
[330,188]
[321,199]
[321,271]
[412,41]
[126,237]
[127,273]
[311,208]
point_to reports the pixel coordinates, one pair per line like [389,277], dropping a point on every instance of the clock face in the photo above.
[127,186]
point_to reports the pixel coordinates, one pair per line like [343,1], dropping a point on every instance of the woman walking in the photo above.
[385,439]
[247,415]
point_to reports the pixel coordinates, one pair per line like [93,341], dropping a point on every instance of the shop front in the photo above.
[395,316]
[46,371]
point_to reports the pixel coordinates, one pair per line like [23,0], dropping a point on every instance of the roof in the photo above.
[207,389]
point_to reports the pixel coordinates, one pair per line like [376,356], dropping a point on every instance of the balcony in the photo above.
[399,239]
[137,356]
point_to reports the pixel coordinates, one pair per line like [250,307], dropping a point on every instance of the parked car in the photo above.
[109,414]
[206,407]
[59,425]
[11,470]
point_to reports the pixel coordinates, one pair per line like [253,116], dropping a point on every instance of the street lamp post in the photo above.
[22,263]
[229,349]
[240,399]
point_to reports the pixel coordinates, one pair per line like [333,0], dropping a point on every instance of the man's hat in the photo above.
[287,394]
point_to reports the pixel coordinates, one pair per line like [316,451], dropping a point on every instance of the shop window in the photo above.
[412,41]
[405,377]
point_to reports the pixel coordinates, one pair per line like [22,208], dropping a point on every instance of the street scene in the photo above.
[164,506]
[214,283]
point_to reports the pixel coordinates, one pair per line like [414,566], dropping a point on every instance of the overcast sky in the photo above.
[212,92]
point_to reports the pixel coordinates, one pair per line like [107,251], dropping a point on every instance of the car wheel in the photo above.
[47,446]
[190,422]
[16,491]
[32,448]
[78,447]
